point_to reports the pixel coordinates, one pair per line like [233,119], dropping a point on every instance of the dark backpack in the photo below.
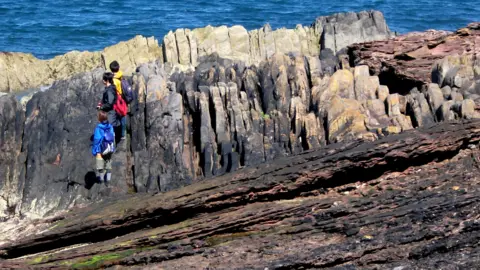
[127,92]
[108,143]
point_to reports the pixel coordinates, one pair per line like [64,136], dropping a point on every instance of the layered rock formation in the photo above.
[443,66]
[191,125]
[447,59]
[185,48]
[318,122]
[383,204]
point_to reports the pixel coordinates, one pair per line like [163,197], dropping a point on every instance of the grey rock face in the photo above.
[340,30]
[329,34]
[56,142]
[435,98]
[418,107]
[12,160]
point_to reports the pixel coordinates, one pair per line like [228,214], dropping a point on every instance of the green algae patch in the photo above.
[96,261]
[39,259]
[265,116]
[58,224]
[99,260]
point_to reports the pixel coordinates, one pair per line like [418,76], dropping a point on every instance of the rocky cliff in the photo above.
[220,115]
[330,33]
[319,122]
[185,48]
[186,126]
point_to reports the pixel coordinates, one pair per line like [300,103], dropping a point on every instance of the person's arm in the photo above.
[97,140]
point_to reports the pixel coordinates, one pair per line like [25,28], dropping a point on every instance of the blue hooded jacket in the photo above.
[100,129]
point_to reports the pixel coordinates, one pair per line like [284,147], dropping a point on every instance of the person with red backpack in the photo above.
[109,99]
[112,104]
[124,91]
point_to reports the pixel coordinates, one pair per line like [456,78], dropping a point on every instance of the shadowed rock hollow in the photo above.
[444,58]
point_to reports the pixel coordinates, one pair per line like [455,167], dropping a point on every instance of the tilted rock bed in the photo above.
[408,200]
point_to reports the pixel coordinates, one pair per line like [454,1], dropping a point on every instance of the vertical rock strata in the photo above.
[332,33]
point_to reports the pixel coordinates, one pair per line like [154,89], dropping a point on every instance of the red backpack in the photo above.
[120,106]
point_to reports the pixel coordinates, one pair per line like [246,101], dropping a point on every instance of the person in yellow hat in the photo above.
[117,81]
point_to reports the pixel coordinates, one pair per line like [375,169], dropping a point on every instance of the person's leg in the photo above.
[124,127]
[108,169]
[118,134]
[99,168]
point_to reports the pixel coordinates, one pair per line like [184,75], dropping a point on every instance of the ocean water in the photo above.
[47,28]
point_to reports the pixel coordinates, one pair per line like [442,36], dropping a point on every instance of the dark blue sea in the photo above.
[49,27]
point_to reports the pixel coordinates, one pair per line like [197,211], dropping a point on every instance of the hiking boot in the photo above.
[108,177]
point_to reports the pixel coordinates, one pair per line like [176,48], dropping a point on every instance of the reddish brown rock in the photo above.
[407,61]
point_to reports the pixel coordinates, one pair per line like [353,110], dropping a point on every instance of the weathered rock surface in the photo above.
[343,29]
[194,125]
[130,54]
[218,116]
[407,200]
[419,58]
[58,168]
[333,33]
[21,71]
[435,69]
[11,160]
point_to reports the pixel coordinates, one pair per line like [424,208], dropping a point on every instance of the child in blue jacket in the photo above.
[103,157]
